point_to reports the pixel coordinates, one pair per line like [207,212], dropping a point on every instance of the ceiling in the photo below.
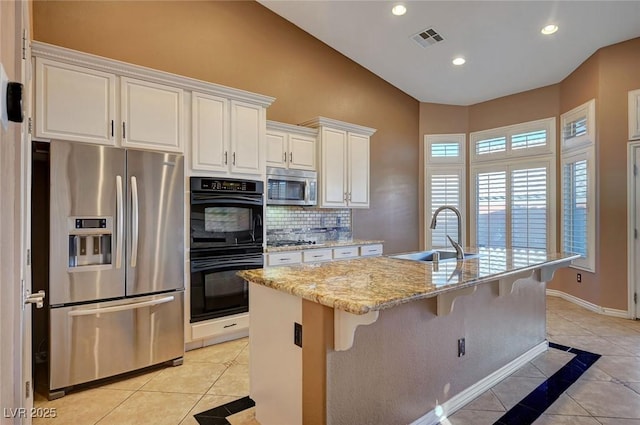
[501,41]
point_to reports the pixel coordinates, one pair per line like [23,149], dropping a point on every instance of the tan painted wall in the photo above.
[246,46]
[606,76]
[438,119]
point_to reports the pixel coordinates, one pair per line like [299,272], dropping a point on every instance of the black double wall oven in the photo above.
[226,236]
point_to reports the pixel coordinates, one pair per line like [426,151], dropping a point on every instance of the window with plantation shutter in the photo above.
[445,150]
[446,189]
[512,205]
[578,188]
[578,126]
[529,208]
[444,185]
[491,209]
[577,220]
[486,146]
[531,139]
[513,198]
[535,138]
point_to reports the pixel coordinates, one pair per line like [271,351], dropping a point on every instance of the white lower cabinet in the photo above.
[219,326]
[346,252]
[314,255]
[322,254]
[282,258]
[371,250]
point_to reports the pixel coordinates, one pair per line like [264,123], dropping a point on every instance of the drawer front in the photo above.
[346,252]
[281,258]
[317,255]
[370,250]
[215,327]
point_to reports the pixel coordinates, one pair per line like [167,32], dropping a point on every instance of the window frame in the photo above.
[587,110]
[444,165]
[572,150]
[548,162]
[549,148]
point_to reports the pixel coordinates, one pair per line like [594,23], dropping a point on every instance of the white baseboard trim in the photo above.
[458,401]
[589,306]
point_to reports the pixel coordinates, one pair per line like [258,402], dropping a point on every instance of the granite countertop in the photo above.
[362,284]
[326,244]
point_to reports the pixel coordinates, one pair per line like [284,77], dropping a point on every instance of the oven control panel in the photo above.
[226,185]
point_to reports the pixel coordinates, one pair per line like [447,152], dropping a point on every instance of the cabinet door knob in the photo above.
[290,156]
[225,157]
[234,158]
[285,157]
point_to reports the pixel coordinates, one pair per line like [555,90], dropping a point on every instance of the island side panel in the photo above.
[317,341]
[275,363]
[406,363]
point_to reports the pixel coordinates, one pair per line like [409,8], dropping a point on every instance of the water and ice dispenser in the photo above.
[90,241]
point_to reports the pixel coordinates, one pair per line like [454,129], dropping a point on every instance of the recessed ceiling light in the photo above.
[459,61]
[549,29]
[399,10]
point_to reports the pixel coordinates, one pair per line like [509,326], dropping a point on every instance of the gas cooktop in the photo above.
[288,242]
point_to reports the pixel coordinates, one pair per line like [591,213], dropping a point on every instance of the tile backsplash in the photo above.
[319,224]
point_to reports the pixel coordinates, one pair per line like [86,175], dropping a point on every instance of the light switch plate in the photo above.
[4,80]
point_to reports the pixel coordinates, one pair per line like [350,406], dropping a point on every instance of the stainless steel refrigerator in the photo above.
[116,280]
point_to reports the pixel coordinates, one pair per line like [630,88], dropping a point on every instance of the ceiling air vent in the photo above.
[427,37]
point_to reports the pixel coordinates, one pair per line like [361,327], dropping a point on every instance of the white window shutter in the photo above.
[445,189]
[491,204]
[529,208]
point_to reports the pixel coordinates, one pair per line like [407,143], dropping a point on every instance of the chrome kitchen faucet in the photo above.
[458,245]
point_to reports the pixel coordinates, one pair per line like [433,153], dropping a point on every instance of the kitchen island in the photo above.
[386,340]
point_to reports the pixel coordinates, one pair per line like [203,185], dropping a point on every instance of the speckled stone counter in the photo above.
[369,284]
[326,244]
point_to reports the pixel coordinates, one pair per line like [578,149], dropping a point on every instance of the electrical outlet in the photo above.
[461,347]
[579,277]
[297,334]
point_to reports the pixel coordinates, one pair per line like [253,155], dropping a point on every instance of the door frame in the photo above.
[633,222]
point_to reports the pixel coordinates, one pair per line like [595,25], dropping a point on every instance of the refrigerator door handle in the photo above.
[119,221]
[134,221]
[93,311]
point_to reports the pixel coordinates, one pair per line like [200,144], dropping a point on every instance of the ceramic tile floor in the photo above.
[606,394]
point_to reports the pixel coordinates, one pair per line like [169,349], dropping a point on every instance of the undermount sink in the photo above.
[427,256]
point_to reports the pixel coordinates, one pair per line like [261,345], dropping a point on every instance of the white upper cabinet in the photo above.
[291,146]
[91,99]
[358,170]
[210,133]
[228,136]
[79,104]
[634,114]
[151,115]
[277,148]
[344,163]
[248,130]
[333,171]
[74,103]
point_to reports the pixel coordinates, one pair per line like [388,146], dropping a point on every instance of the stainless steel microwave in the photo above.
[291,187]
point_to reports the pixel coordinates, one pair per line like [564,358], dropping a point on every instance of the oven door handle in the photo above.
[200,198]
[213,265]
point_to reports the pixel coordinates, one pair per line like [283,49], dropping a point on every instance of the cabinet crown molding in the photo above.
[340,125]
[123,69]
[291,128]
